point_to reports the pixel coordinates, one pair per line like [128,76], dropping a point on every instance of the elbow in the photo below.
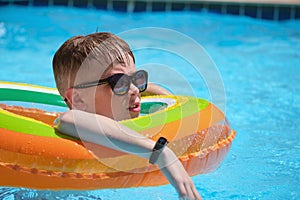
[70,116]
[66,123]
[66,117]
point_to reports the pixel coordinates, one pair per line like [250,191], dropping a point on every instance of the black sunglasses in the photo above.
[120,83]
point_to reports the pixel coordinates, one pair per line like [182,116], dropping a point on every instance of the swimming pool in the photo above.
[259,65]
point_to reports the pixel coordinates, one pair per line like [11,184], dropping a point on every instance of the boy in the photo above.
[97,77]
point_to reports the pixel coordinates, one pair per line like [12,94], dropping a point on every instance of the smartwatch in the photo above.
[159,146]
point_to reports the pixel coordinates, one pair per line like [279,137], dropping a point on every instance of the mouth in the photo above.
[135,107]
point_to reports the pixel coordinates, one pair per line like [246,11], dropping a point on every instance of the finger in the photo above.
[194,193]
[189,191]
[182,192]
[184,198]
[186,192]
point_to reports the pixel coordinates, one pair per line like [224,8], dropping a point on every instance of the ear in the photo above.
[74,99]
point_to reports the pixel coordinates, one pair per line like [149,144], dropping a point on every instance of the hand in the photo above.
[177,176]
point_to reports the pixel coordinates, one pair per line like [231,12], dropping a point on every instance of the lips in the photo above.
[135,107]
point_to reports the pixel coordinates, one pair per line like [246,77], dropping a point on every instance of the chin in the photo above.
[135,115]
[125,116]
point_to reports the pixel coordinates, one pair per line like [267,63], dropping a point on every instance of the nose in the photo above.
[133,90]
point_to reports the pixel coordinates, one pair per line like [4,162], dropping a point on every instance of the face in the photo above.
[102,100]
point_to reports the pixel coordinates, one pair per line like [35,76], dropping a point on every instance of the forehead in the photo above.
[124,68]
[94,69]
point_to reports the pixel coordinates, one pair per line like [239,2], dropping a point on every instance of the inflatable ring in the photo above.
[34,155]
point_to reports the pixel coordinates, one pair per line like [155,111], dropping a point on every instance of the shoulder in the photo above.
[153,89]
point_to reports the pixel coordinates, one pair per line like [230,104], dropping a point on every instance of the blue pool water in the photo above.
[259,65]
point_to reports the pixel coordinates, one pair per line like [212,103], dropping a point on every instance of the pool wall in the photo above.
[268,9]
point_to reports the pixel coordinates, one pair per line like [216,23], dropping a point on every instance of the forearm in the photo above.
[106,132]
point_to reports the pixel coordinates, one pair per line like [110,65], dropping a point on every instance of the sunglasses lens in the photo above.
[140,80]
[122,85]
[121,82]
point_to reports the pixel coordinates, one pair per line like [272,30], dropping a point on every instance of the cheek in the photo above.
[118,104]
[119,108]
[110,105]
[103,104]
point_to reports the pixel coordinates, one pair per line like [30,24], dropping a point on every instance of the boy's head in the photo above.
[98,56]
[106,48]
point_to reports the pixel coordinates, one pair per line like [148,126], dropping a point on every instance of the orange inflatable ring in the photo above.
[34,155]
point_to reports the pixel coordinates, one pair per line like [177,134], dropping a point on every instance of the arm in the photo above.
[105,131]
[153,89]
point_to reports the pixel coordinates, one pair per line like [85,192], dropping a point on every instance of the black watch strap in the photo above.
[159,146]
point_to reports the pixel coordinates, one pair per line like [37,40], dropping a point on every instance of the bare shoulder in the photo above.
[153,89]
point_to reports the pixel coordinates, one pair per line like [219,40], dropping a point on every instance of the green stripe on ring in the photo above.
[7,94]
[185,106]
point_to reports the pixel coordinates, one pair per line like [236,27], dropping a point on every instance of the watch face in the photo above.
[162,140]
[159,146]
